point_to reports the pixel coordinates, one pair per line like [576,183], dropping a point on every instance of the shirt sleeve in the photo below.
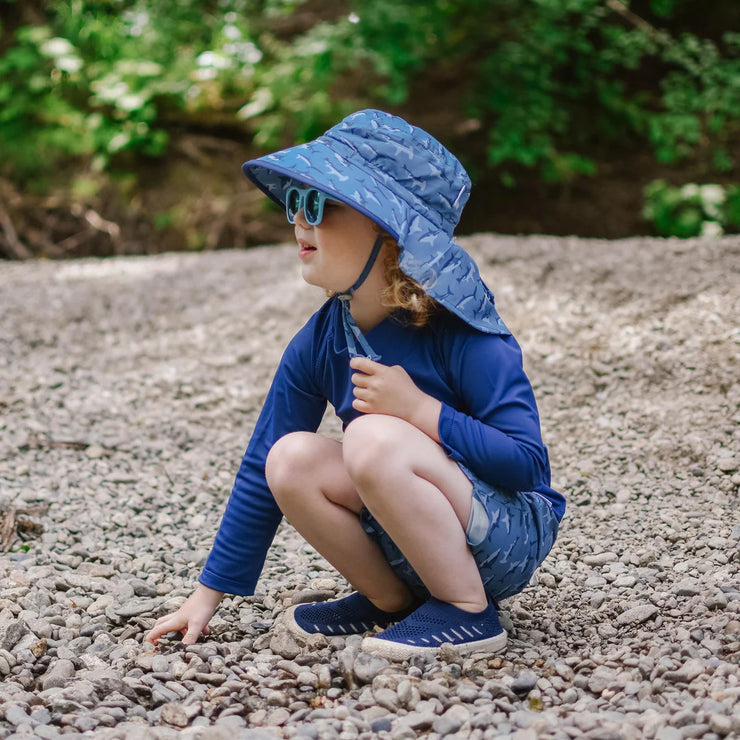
[496,431]
[252,516]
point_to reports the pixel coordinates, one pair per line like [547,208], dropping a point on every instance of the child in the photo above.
[437,502]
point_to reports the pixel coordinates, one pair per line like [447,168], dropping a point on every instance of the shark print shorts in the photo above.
[509,533]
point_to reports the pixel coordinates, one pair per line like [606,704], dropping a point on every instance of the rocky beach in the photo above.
[128,391]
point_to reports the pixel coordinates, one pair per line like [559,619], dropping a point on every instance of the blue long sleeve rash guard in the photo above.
[489,420]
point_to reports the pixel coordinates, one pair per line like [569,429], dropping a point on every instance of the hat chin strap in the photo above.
[351,330]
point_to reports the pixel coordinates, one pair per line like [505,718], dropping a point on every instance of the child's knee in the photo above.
[287,458]
[370,443]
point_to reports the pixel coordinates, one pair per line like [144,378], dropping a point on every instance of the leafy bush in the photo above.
[692,210]
[550,83]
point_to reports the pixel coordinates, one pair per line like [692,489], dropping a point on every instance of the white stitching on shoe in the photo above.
[458,635]
[447,637]
[467,631]
[477,630]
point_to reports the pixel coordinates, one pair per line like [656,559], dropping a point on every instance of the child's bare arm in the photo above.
[191,619]
[380,389]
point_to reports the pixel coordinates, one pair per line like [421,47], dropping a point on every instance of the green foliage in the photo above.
[550,83]
[106,77]
[692,210]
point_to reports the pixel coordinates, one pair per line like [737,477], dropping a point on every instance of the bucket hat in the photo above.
[408,183]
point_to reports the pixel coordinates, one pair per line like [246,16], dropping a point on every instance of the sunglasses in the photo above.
[310,200]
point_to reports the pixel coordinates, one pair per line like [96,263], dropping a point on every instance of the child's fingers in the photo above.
[364,365]
[360,380]
[191,636]
[360,393]
[162,626]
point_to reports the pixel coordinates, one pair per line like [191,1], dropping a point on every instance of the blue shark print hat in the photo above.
[405,181]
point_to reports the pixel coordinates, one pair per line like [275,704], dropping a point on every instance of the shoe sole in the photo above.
[289,621]
[400,651]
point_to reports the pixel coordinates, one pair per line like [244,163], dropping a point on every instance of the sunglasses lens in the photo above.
[292,203]
[313,206]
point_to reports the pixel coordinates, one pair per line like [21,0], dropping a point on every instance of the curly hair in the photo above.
[404,292]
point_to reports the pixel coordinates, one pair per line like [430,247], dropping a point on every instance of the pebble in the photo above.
[637,614]
[728,464]
[630,628]
[452,720]
[174,714]
[524,682]
[367,666]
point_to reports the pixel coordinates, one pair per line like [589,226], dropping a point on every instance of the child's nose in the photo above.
[300,219]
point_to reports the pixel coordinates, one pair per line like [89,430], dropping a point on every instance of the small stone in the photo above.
[310,596]
[625,581]
[250,734]
[600,679]
[690,670]
[597,599]
[687,587]
[717,600]
[41,716]
[524,682]
[135,608]
[277,699]
[570,696]
[316,642]
[38,648]
[721,724]
[452,720]
[601,558]
[175,714]
[11,632]
[449,654]
[277,717]
[638,614]
[59,674]
[382,724]
[387,698]
[283,643]
[419,720]
[16,715]
[367,666]
[728,464]
[307,679]
[308,730]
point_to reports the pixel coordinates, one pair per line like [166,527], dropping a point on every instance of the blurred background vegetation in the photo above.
[123,122]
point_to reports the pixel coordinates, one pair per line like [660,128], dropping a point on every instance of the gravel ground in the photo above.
[128,390]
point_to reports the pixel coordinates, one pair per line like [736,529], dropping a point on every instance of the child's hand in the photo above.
[191,618]
[380,389]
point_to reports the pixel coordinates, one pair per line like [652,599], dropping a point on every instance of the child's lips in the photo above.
[304,248]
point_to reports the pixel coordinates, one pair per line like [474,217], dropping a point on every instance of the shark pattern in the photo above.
[407,182]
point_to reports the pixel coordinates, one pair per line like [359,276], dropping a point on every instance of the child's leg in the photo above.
[307,476]
[421,498]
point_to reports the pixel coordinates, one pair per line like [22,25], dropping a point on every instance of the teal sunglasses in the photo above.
[310,200]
